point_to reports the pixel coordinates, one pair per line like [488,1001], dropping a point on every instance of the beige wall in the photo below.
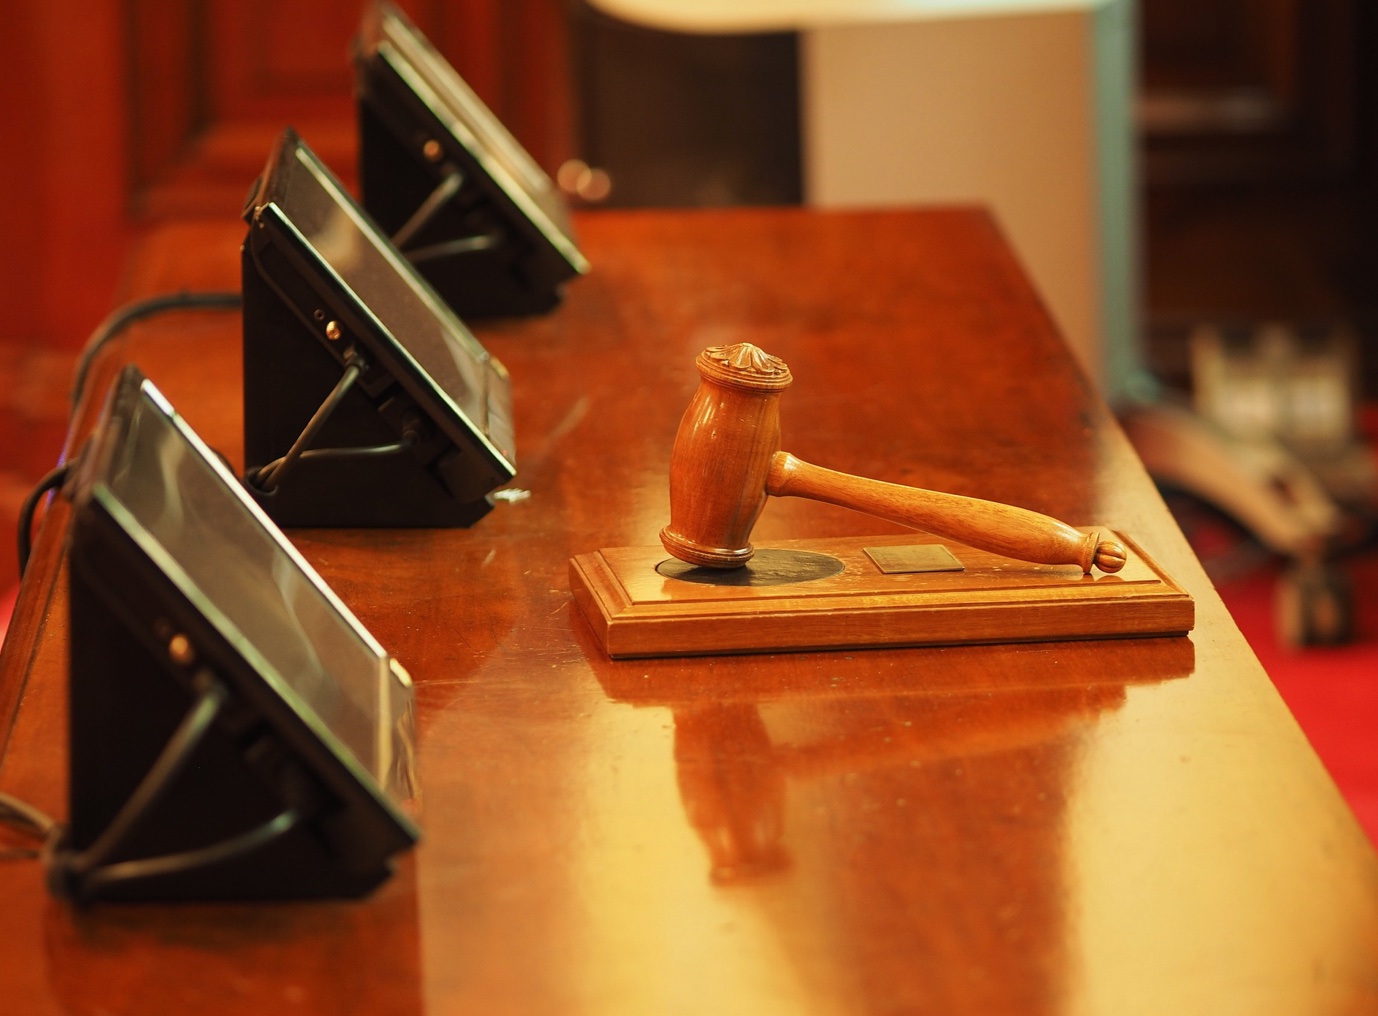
[997,111]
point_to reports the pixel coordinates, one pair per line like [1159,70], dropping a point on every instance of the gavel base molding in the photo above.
[634,610]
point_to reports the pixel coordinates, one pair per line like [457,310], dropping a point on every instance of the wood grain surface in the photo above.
[1134,826]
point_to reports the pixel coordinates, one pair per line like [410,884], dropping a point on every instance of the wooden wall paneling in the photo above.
[516,55]
[85,143]
[542,114]
[271,54]
[244,71]
[124,111]
[21,232]
[64,167]
[468,34]
[166,45]
[216,80]
[269,57]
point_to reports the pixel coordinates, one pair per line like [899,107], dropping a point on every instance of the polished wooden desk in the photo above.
[1132,826]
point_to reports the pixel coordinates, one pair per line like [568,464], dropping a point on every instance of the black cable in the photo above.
[123,317]
[28,820]
[362,452]
[76,873]
[270,476]
[83,874]
[436,200]
[25,816]
[189,860]
[175,754]
[54,479]
[116,322]
[448,248]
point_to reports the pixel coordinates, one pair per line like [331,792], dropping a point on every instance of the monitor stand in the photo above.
[289,373]
[477,262]
[178,788]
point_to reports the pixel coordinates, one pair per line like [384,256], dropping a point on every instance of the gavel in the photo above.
[727,460]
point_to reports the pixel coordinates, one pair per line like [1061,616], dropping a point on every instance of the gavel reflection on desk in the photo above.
[727,460]
[733,778]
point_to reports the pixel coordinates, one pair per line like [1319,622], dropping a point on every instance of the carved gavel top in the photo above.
[727,460]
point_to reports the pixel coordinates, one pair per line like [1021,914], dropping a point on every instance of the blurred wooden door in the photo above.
[215,80]
[119,112]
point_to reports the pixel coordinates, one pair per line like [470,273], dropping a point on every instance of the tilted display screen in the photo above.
[302,207]
[153,478]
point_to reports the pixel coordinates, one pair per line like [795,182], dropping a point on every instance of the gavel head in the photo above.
[722,454]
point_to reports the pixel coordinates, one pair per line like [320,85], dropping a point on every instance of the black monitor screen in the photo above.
[171,495]
[458,376]
[387,32]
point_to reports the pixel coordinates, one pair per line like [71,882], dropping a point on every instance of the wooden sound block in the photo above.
[831,594]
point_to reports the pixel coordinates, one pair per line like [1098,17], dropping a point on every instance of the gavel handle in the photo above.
[987,525]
